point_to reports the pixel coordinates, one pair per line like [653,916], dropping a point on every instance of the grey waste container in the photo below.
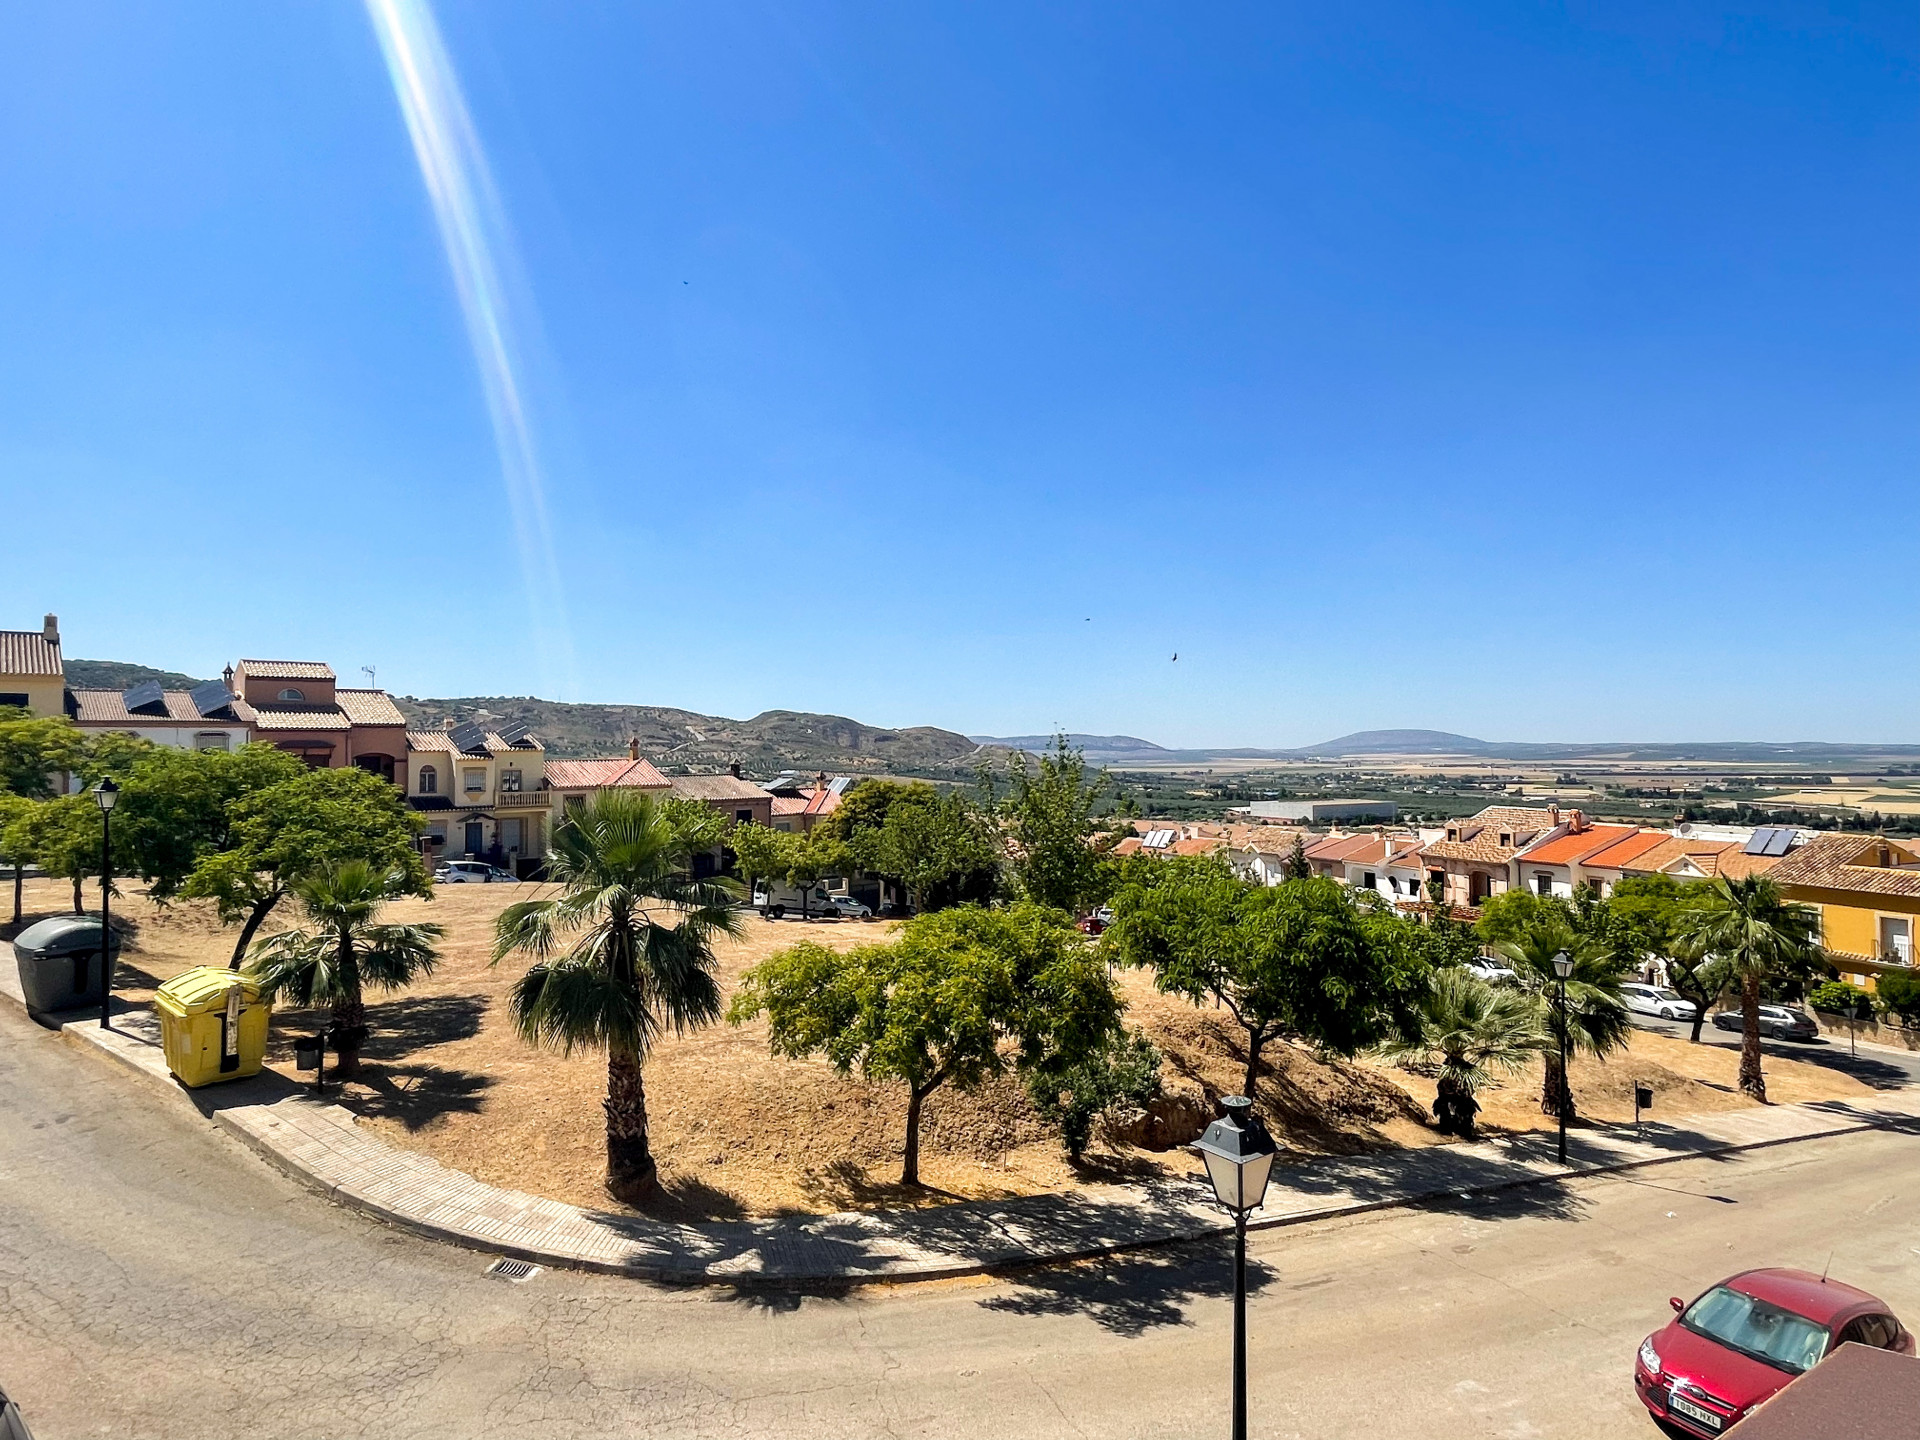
[59,962]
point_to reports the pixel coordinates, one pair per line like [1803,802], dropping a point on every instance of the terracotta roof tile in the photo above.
[300,717]
[1578,844]
[1621,852]
[1198,845]
[1675,848]
[109,707]
[286,669]
[789,805]
[1480,834]
[29,652]
[602,774]
[1829,862]
[716,787]
[369,707]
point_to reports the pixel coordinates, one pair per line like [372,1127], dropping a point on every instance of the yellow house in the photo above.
[32,674]
[1867,889]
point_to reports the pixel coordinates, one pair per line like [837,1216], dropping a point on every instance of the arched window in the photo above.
[429,780]
[292,694]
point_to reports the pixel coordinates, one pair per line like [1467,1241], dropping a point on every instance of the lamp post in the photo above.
[105,794]
[1562,968]
[1239,1156]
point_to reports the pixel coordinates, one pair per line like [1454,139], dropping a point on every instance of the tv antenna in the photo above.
[367,670]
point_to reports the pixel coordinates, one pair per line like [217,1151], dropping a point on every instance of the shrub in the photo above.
[1124,1073]
[1899,993]
[1836,996]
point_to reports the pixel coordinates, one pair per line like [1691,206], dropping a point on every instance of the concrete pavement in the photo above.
[154,1283]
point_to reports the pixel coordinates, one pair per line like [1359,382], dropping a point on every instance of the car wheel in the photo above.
[1666,1014]
[776,912]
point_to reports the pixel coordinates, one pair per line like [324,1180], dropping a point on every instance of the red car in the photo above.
[1748,1337]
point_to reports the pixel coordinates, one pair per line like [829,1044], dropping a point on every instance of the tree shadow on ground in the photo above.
[1130,1295]
[1832,1055]
[408,1023]
[688,1200]
[416,1095]
[845,1183]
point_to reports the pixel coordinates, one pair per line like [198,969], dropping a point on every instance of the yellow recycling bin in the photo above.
[213,1025]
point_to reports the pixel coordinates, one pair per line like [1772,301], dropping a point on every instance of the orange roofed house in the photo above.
[1475,856]
[1557,865]
[298,708]
[1867,889]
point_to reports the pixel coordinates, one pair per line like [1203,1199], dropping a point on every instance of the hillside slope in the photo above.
[682,740]
[121,674]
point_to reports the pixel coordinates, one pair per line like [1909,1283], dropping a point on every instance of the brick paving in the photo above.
[320,1144]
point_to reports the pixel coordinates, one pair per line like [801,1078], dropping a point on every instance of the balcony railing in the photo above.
[521,800]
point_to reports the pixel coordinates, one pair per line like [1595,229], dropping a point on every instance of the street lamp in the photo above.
[1562,968]
[1239,1156]
[105,795]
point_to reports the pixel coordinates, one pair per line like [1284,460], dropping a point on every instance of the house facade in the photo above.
[482,794]
[207,718]
[1389,865]
[32,673]
[1556,866]
[1474,857]
[297,707]
[1867,890]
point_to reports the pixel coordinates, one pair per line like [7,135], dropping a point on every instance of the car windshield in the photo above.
[1778,1337]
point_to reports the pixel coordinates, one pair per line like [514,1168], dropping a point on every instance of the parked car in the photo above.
[1748,1338]
[471,872]
[1782,1022]
[849,907]
[13,1425]
[1657,1000]
[1490,970]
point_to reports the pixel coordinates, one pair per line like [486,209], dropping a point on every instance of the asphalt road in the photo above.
[1878,1065]
[158,1281]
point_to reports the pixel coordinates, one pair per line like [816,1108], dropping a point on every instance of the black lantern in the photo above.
[1239,1156]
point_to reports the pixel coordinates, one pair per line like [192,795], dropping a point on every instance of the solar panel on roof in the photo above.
[513,734]
[1757,842]
[468,737]
[144,696]
[210,698]
[1781,842]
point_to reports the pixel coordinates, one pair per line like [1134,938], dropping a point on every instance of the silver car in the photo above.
[471,872]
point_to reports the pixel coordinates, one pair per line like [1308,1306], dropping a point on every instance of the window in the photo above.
[15,698]
[429,780]
[1506,837]
[1542,882]
[1368,881]
[1880,1331]
[510,780]
[210,740]
[296,696]
[473,781]
[744,817]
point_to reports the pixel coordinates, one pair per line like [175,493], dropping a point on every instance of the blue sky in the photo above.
[1532,371]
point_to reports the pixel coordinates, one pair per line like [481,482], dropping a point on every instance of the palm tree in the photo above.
[343,950]
[1468,1028]
[624,951]
[1594,1019]
[1759,935]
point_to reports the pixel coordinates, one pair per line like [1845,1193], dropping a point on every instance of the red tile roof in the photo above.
[1833,862]
[1673,848]
[1623,852]
[369,707]
[286,669]
[109,707]
[604,774]
[1577,845]
[29,652]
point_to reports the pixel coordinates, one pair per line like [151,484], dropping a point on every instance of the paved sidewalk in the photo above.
[320,1144]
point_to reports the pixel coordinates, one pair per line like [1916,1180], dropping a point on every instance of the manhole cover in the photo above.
[504,1269]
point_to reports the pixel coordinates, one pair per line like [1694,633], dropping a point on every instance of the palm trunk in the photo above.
[631,1173]
[1752,1082]
[349,1031]
[260,909]
[1556,1094]
[1454,1107]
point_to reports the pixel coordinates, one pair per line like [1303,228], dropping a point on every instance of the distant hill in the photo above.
[682,740]
[1400,742]
[1092,744]
[121,674]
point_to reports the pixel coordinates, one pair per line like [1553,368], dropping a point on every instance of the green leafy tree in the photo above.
[1297,866]
[1651,909]
[178,806]
[1052,831]
[61,836]
[14,808]
[1123,1074]
[36,750]
[960,997]
[1297,960]
[938,847]
[1467,1029]
[1594,1019]
[1837,997]
[302,826]
[1899,992]
[621,955]
[1762,938]
[760,852]
[1510,914]
[344,948]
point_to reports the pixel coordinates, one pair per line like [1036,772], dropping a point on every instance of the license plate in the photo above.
[1681,1405]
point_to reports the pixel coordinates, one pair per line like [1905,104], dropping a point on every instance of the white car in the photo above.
[1490,970]
[849,907]
[471,872]
[1657,1000]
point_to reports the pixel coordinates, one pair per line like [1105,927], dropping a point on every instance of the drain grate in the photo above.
[504,1269]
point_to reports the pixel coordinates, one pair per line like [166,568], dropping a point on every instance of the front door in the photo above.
[476,841]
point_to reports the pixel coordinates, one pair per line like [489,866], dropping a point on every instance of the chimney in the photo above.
[446,723]
[633,747]
[1576,821]
[1553,814]
[227,676]
[821,780]
[734,769]
[50,627]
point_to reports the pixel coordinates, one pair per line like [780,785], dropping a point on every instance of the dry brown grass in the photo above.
[739,1132]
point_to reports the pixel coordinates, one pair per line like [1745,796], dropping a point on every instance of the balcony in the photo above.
[521,800]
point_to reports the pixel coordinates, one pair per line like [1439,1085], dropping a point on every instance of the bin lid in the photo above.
[62,935]
[204,988]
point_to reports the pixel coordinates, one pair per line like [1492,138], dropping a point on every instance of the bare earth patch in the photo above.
[738,1132]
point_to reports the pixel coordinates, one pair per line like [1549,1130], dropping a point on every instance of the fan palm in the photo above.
[343,950]
[1468,1028]
[1759,935]
[1593,1019]
[624,952]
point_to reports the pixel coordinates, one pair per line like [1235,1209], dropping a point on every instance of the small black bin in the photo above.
[59,961]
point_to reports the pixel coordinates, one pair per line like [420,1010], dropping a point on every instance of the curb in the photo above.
[1190,1218]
